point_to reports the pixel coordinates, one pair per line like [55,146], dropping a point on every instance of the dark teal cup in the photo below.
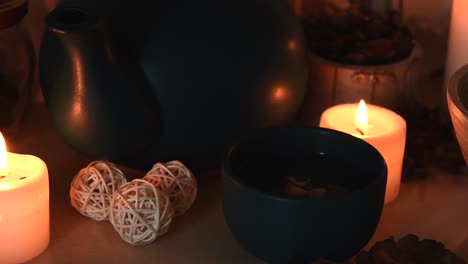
[282,229]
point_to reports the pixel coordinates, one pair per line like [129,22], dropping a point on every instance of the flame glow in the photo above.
[279,93]
[361,122]
[292,44]
[3,157]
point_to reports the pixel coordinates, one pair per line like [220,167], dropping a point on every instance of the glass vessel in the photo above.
[16,65]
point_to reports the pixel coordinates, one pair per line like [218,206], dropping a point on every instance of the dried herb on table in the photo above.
[430,143]
[408,249]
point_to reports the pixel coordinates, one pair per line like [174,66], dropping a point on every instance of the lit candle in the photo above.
[24,206]
[380,127]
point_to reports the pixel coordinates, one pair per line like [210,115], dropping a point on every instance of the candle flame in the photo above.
[3,157]
[361,118]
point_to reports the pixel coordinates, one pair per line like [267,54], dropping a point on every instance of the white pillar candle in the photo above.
[24,206]
[457,53]
[385,130]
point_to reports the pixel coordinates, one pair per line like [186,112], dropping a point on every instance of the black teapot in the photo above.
[206,73]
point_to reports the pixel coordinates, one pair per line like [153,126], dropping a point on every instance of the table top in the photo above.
[433,208]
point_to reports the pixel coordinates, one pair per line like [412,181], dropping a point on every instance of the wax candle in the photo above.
[380,127]
[24,206]
[457,53]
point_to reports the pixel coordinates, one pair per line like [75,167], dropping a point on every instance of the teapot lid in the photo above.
[12,12]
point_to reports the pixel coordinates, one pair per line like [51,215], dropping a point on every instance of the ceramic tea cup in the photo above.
[457,101]
[280,227]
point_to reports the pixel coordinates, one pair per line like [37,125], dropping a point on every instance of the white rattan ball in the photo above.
[177,181]
[92,189]
[140,213]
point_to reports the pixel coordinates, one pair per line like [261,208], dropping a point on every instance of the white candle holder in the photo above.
[457,99]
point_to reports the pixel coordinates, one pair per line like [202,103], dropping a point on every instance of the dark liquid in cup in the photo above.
[316,176]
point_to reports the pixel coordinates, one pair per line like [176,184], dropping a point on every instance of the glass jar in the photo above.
[16,65]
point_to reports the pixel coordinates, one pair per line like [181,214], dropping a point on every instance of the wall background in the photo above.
[428,19]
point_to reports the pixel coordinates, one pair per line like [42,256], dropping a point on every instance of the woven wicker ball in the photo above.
[140,213]
[177,181]
[92,189]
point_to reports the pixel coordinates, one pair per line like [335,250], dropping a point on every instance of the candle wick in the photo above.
[360,131]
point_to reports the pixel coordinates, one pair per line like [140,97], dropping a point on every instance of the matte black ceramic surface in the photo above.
[289,230]
[216,69]
[97,105]
[220,68]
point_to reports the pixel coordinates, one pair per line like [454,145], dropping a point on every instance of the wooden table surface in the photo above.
[434,208]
